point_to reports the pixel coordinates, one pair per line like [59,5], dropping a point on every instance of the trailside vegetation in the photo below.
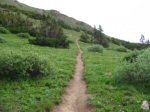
[45,27]
[96,48]
[15,66]
[135,69]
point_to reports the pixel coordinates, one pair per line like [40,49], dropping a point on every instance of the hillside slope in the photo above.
[21,6]
[68,21]
[73,23]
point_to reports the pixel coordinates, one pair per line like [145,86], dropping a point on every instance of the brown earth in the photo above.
[75,98]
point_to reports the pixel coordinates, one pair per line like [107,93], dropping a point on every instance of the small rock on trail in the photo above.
[145,105]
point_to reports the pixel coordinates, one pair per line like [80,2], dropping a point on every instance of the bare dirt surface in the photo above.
[75,98]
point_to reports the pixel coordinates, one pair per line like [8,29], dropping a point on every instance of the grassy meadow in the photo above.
[105,94]
[35,95]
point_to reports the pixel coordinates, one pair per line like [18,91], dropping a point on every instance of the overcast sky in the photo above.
[124,19]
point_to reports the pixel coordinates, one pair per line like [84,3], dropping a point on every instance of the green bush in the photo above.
[137,71]
[4,30]
[132,56]
[96,48]
[121,49]
[51,42]
[19,66]
[2,40]
[85,38]
[24,35]
[116,41]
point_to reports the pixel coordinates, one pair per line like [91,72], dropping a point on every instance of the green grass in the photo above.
[72,35]
[105,95]
[36,95]
[21,6]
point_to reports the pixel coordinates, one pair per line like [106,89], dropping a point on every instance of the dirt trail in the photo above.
[75,98]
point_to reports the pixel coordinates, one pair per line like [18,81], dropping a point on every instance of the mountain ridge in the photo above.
[65,20]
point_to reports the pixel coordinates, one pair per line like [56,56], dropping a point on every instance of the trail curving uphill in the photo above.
[75,98]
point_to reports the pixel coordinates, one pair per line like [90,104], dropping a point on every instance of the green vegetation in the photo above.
[96,48]
[24,35]
[33,94]
[15,65]
[96,37]
[129,45]
[2,40]
[17,21]
[51,42]
[132,56]
[33,75]
[100,38]
[4,30]
[71,23]
[105,94]
[137,71]
[85,38]
[121,49]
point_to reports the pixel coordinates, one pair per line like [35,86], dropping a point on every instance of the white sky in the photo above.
[124,19]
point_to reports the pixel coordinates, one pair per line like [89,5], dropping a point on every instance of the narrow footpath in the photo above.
[75,98]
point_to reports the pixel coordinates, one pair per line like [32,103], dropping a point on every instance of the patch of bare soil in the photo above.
[75,98]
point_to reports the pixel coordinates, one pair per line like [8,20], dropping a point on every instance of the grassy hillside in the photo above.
[21,6]
[105,94]
[43,93]
[67,21]
[37,94]
[34,76]
[40,21]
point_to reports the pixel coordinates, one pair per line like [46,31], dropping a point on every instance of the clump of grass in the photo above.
[50,42]
[137,71]
[132,56]
[2,40]
[14,65]
[96,48]
[24,35]
[4,30]
[121,49]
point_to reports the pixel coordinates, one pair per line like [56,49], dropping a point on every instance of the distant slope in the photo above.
[21,6]
[68,21]
[73,23]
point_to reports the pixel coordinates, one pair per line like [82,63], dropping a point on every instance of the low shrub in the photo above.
[121,49]
[96,48]
[4,30]
[116,41]
[24,35]
[16,66]
[51,42]
[132,56]
[137,71]
[85,38]
[2,40]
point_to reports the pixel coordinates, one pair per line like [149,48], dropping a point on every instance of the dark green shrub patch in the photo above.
[132,56]
[137,71]
[85,38]
[18,66]
[4,30]
[2,40]
[24,35]
[121,49]
[51,42]
[96,48]
[116,41]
